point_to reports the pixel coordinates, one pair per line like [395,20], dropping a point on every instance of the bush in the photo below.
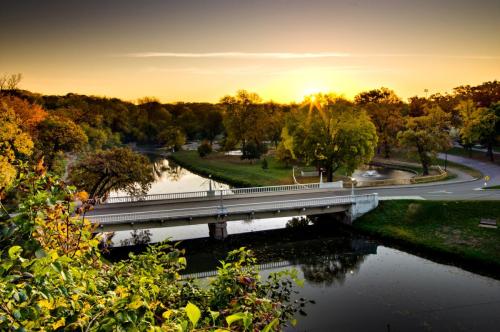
[265,164]
[253,150]
[52,277]
[204,149]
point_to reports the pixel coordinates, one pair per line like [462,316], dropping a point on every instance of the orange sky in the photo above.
[281,49]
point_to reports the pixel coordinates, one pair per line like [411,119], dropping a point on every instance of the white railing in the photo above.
[214,211]
[217,193]
[213,273]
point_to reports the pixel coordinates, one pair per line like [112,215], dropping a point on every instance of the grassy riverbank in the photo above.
[449,228]
[234,171]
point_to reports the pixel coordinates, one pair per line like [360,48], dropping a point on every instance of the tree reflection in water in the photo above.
[327,263]
[164,167]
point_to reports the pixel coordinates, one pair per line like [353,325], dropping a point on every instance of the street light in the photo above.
[352,186]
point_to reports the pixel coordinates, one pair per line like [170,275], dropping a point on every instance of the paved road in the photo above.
[451,190]
[462,188]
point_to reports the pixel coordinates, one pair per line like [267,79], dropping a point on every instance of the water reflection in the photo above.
[323,261]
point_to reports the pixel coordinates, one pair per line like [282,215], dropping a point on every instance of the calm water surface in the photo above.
[357,283]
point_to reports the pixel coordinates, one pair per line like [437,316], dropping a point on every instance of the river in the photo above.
[356,282]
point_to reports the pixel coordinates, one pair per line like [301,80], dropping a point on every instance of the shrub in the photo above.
[204,149]
[52,277]
[265,164]
[253,150]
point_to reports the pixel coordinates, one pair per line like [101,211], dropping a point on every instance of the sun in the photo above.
[312,92]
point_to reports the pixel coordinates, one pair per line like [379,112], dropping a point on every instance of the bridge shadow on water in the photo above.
[325,255]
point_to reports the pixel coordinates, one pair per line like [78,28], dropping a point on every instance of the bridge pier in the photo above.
[218,230]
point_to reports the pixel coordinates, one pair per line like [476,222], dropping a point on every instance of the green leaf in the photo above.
[193,313]
[234,317]
[15,252]
[215,315]
[271,325]
[182,260]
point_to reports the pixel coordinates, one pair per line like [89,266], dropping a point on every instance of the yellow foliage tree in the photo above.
[13,144]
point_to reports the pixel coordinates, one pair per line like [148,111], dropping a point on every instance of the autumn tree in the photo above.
[335,133]
[58,134]
[469,128]
[385,110]
[427,135]
[103,171]
[14,143]
[29,115]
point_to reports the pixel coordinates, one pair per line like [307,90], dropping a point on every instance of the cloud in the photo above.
[304,55]
[255,70]
[254,55]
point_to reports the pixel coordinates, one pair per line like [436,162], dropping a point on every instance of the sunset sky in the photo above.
[281,49]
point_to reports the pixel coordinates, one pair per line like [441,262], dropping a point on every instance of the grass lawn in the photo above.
[492,187]
[449,227]
[237,172]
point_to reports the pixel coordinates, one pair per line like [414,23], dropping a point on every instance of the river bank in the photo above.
[448,228]
[233,171]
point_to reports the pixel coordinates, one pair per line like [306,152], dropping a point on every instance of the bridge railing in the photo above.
[260,267]
[206,193]
[228,209]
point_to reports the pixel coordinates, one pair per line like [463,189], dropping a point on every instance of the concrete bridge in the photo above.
[216,207]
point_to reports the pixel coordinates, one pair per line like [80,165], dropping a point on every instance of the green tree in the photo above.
[100,172]
[427,135]
[335,133]
[58,134]
[244,118]
[385,110]
[172,137]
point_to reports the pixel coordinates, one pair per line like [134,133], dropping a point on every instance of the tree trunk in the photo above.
[490,152]
[329,173]
[423,160]
[387,150]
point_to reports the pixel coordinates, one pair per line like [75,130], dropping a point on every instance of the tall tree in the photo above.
[103,171]
[335,133]
[244,119]
[58,134]
[427,135]
[469,133]
[385,110]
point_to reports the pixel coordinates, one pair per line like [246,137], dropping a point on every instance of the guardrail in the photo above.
[206,193]
[214,211]
[213,273]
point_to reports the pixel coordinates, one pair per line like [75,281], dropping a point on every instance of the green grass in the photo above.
[234,171]
[492,187]
[449,227]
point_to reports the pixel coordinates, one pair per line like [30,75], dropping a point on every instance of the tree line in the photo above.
[324,129]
